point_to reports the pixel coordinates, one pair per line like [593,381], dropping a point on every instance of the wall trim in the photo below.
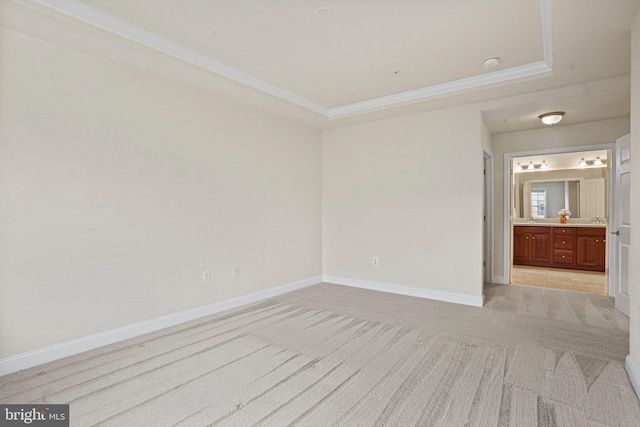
[634,374]
[457,298]
[39,356]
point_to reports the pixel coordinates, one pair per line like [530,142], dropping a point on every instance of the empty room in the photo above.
[317,213]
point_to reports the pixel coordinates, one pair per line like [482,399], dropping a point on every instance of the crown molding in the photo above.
[115,26]
[481,80]
[118,27]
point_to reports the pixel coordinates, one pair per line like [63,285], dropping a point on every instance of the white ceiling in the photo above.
[369,58]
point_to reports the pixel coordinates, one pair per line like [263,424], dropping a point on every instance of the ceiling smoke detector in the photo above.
[490,62]
[323,13]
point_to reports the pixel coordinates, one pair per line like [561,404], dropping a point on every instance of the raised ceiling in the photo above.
[363,50]
[339,59]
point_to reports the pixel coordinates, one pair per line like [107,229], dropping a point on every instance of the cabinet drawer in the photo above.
[563,256]
[564,231]
[596,232]
[531,229]
[564,242]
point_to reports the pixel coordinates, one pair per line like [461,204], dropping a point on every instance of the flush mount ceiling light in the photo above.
[551,118]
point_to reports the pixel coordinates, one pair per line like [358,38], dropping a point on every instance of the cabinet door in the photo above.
[521,246]
[540,247]
[590,251]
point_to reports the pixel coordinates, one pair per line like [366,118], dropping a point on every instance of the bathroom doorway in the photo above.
[542,186]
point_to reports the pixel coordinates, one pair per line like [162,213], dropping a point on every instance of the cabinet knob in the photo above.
[597,240]
[563,242]
[562,256]
[533,238]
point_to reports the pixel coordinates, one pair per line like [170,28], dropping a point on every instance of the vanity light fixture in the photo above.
[551,118]
[598,162]
[531,166]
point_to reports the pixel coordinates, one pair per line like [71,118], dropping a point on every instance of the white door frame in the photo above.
[487,240]
[506,197]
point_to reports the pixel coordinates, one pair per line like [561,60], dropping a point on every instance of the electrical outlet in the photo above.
[236,271]
[206,276]
[375,260]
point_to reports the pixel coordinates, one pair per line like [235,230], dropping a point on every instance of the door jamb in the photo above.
[488,245]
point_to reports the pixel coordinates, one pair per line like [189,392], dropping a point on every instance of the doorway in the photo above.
[542,184]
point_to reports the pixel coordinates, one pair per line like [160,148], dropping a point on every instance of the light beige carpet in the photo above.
[333,355]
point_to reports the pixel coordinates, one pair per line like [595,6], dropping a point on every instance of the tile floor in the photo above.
[572,280]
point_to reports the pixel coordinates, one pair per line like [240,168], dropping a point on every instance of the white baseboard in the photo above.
[69,348]
[634,374]
[473,300]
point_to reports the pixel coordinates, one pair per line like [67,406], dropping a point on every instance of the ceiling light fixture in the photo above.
[551,118]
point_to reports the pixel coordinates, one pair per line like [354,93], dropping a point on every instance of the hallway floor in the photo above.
[571,280]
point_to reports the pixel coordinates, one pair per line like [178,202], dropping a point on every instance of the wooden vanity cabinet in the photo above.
[532,246]
[590,248]
[579,248]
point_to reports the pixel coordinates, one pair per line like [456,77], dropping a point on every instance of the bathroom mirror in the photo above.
[537,196]
[543,199]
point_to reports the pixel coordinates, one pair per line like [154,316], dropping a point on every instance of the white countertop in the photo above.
[537,223]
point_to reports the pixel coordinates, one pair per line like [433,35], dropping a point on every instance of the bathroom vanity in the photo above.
[578,247]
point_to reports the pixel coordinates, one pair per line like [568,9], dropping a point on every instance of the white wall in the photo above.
[406,190]
[487,138]
[600,132]
[634,273]
[117,189]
